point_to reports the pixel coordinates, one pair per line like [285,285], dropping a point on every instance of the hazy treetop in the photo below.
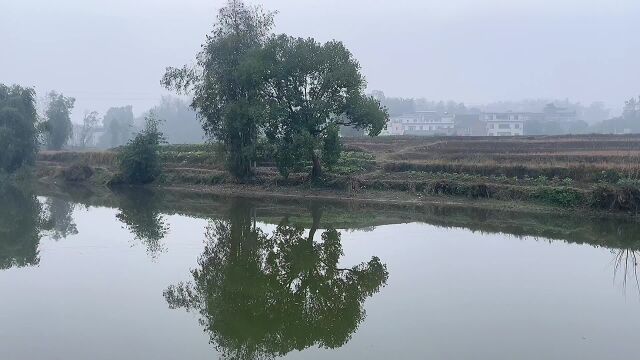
[113,53]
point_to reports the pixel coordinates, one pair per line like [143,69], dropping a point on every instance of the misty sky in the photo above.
[114,52]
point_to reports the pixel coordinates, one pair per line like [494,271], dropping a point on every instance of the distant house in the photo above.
[423,123]
[553,120]
[553,113]
[469,125]
[505,124]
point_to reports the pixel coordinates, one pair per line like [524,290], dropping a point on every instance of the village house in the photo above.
[508,123]
[505,124]
[421,123]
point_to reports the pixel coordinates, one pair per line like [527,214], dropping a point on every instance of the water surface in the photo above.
[147,275]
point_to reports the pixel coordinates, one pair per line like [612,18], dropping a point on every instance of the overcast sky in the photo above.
[114,52]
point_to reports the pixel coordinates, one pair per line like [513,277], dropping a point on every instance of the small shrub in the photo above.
[77,173]
[607,176]
[567,182]
[291,152]
[139,160]
[542,180]
[563,196]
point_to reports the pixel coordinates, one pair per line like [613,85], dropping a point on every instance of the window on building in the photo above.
[490,126]
[517,126]
[504,126]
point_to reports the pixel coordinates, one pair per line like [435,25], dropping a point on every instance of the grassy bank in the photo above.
[593,172]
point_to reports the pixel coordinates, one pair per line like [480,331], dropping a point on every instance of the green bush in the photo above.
[542,180]
[290,152]
[559,196]
[607,176]
[139,160]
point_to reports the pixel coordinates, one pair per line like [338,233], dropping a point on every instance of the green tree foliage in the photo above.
[331,147]
[139,160]
[58,117]
[118,126]
[290,151]
[225,99]
[309,88]
[18,132]
[262,296]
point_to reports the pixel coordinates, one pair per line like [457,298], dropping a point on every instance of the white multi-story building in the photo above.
[505,124]
[421,123]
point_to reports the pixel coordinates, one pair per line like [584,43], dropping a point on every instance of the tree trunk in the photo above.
[316,171]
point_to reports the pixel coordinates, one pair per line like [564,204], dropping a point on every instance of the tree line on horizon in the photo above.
[118,125]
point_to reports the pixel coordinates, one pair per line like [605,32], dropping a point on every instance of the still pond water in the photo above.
[144,275]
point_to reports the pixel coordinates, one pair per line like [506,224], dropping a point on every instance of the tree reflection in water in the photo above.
[140,213]
[59,218]
[20,227]
[264,295]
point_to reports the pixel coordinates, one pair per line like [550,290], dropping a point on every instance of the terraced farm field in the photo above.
[597,171]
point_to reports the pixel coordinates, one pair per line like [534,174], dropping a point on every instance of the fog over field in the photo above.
[113,53]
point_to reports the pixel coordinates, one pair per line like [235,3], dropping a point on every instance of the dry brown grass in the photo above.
[581,158]
[91,158]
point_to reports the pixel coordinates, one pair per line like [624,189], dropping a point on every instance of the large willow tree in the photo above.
[225,99]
